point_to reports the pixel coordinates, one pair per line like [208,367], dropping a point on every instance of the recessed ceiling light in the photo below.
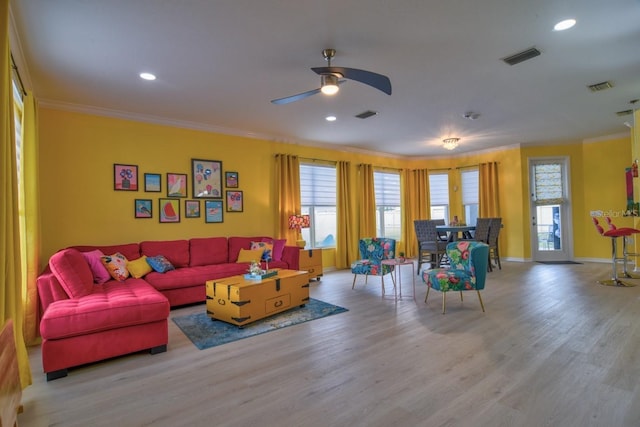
[564,25]
[147,76]
[330,118]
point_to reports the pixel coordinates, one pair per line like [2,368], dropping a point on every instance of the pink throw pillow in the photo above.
[73,272]
[278,248]
[100,273]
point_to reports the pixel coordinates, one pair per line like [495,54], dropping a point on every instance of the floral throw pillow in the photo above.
[160,264]
[116,265]
[266,247]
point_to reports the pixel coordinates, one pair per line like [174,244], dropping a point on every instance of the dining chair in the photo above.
[495,224]
[468,271]
[372,251]
[481,233]
[429,244]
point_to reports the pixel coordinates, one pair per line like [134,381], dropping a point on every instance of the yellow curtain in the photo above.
[416,206]
[367,223]
[489,205]
[10,275]
[29,219]
[287,187]
[347,240]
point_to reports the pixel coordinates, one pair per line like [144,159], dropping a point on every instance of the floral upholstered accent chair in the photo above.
[372,251]
[467,272]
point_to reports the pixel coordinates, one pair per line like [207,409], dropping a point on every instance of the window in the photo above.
[17,119]
[318,200]
[439,196]
[470,195]
[388,217]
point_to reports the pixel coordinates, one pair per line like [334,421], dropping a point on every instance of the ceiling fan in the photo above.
[331,77]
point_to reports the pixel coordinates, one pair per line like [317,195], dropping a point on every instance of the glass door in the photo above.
[551,239]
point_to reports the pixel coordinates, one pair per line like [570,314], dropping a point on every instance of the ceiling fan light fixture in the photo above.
[450,143]
[329,84]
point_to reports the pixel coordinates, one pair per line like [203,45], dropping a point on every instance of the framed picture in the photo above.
[234,201]
[192,208]
[169,210]
[152,182]
[176,185]
[231,179]
[207,179]
[143,208]
[213,211]
[125,177]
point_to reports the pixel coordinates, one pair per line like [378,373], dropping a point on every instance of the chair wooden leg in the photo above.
[425,298]
[354,281]
[461,299]
[480,298]
[444,302]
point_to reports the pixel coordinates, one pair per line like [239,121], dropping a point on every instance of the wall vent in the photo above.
[600,86]
[522,56]
[624,113]
[366,114]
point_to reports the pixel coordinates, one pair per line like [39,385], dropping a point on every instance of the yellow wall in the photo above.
[79,205]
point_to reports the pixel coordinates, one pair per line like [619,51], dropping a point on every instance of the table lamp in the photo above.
[298,222]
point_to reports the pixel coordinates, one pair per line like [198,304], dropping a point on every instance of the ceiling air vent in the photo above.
[624,113]
[366,114]
[600,86]
[522,56]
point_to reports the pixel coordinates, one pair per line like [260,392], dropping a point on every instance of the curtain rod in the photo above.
[476,165]
[14,67]
[309,159]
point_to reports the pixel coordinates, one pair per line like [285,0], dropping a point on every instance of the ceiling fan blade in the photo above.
[370,78]
[293,98]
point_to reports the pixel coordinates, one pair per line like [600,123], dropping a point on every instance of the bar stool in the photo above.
[628,231]
[613,235]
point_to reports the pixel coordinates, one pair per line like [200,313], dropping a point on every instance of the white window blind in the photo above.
[470,187]
[387,188]
[317,185]
[439,189]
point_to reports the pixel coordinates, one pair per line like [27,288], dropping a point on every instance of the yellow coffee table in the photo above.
[240,301]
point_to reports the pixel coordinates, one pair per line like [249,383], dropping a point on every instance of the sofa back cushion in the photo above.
[129,250]
[73,272]
[176,251]
[208,251]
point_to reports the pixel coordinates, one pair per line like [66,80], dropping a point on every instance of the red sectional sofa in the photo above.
[83,322]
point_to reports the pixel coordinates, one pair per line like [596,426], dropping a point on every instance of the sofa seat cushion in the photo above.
[110,306]
[193,276]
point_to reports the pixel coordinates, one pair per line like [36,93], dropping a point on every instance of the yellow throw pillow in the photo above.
[247,255]
[139,267]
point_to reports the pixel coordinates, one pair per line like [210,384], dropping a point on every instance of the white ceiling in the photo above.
[219,63]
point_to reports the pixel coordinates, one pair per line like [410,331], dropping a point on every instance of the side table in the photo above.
[398,263]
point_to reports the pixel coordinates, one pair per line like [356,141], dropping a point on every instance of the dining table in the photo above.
[456,232]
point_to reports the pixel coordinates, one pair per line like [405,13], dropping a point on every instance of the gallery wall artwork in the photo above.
[207,179]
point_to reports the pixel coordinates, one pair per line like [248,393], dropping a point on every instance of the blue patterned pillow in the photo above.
[160,264]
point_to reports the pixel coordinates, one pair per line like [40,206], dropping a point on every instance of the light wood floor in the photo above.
[553,349]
